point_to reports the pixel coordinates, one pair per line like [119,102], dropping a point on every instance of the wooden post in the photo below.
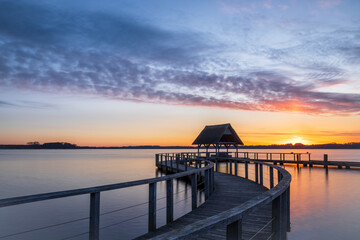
[297,160]
[246,170]
[288,228]
[284,222]
[171,164]
[217,164]
[276,214]
[177,162]
[279,176]
[234,230]
[271,177]
[261,174]
[256,172]
[279,215]
[94,216]
[169,201]
[236,167]
[193,191]
[152,207]
[207,185]
[325,161]
[157,159]
[230,165]
[212,180]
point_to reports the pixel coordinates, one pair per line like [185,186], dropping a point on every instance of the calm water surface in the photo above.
[324,205]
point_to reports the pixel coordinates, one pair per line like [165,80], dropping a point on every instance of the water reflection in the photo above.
[323,202]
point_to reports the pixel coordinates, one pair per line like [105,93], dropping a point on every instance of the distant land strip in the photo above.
[65,145]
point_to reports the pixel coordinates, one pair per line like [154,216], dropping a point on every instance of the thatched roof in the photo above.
[218,134]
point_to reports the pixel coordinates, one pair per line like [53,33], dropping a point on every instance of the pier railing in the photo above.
[200,170]
[276,156]
[278,196]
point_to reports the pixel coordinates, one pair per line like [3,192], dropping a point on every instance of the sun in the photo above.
[297,139]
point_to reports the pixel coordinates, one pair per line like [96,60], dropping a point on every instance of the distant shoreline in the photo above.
[61,145]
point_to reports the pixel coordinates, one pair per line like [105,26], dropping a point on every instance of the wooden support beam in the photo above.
[236,167]
[256,172]
[169,201]
[94,222]
[194,191]
[234,230]
[246,170]
[326,161]
[271,177]
[261,174]
[207,184]
[152,207]
[276,215]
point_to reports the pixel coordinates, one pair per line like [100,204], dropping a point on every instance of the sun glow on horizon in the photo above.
[297,139]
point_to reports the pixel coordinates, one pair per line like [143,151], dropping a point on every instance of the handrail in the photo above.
[68,193]
[234,215]
[94,192]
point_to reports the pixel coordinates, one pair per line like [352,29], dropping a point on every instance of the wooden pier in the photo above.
[230,191]
[299,159]
[238,208]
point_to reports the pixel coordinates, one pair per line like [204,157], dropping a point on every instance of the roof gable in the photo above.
[218,134]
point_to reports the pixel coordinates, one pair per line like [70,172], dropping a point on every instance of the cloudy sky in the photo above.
[112,73]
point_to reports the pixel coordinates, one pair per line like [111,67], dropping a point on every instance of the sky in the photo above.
[118,73]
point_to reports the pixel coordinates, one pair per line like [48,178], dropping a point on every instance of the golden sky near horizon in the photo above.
[85,120]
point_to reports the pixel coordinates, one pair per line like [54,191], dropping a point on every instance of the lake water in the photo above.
[324,205]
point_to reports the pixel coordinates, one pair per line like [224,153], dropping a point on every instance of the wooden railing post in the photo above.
[256,172]
[283,206]
[177,162]
[236,167]
[288,209]
[207,184]
[171,163]
[230,165]
[325,161]
[212,180]
[94,216]
[271,177]
[152,207]
[261,174]
[234,230]
[193,191]
[169,201]
[157,159]
[279,176]
[246,170]
[276,215]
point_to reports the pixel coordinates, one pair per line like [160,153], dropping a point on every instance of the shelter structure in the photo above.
[217,136]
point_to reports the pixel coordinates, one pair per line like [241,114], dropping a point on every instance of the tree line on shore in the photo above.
[65,145]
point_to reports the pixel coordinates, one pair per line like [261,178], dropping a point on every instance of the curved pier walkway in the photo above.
[230,191]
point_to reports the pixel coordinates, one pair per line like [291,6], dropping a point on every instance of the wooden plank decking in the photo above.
[230,191]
